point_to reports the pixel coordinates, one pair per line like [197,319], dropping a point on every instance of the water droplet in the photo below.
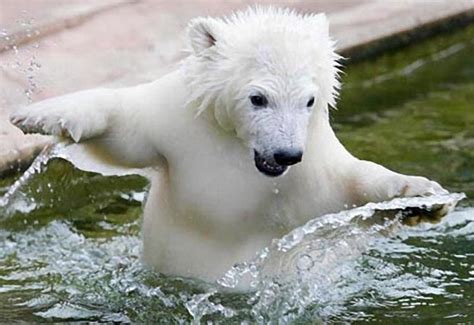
[304,263]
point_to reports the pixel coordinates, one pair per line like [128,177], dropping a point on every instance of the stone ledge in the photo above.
[402,24]
[69,17]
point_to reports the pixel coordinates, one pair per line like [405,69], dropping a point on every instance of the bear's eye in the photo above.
[310,102]
[258,100]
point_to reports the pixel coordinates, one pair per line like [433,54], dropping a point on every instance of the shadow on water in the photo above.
[70,243]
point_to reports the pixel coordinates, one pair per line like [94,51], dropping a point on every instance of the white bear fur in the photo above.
[209,207]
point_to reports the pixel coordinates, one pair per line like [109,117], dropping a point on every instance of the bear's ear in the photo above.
[202,34]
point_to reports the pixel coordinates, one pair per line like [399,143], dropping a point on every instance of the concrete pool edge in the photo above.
[24,34]
[18,150]
[405,37]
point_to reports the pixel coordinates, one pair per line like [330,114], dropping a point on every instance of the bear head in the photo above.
[262,73]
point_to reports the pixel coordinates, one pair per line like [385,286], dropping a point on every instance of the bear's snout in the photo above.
[288,157]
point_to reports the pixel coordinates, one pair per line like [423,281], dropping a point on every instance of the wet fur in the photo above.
[209,207]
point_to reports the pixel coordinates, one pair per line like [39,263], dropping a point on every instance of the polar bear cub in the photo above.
[240,136]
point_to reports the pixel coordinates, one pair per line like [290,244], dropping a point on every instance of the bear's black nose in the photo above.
[288,157]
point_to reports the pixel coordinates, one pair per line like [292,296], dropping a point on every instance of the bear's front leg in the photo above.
[377,183]
[79,116]
[98,119]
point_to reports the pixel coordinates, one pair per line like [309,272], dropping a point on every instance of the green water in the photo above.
[70,240]
[413,111]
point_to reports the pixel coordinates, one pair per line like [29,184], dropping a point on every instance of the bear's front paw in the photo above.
[415,216]
[79,116]
[409,186]
[45,124]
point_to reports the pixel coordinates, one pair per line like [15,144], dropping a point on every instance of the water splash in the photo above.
[303,268]
[14,199]
[314,270]
[336,221]
[70,276]
[199,306]
[25,60]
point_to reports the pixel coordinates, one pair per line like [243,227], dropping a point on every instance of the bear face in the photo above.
[272,118]
[263,73]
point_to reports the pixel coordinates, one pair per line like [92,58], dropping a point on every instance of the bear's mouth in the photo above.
[268,168]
